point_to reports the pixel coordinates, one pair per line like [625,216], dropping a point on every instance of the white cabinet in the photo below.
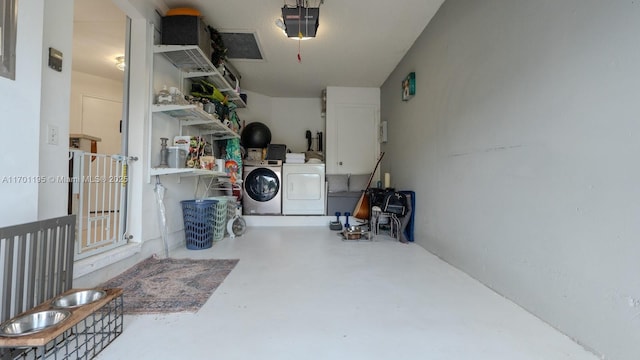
[303,189]
[188,119]
[353,118]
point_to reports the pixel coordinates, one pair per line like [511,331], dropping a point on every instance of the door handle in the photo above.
[340,163]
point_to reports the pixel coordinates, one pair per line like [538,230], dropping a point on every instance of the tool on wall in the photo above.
[308,135]
[317,138]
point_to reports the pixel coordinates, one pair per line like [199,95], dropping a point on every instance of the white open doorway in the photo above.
[98,190]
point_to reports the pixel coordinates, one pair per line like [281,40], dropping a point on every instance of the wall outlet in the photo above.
[52,134]
[382,136]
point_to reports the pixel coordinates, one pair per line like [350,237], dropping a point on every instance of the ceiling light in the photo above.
[120,64]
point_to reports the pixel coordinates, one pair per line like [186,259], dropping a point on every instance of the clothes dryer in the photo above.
[262,185]
[303,192]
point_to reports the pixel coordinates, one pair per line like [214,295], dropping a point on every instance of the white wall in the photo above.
[82,85]
[20,111]
[259,108]
[38,96]
[58,34]
[141,8]
[521,144]
[291,118]
[287,118]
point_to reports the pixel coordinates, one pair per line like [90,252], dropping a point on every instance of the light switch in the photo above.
[55,59]
[52,135]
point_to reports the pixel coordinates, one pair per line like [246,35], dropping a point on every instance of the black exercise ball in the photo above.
[255,135]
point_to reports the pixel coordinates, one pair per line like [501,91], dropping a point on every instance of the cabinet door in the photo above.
[101,118]
[356,145]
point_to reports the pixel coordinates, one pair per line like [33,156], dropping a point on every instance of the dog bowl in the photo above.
[78,298]
[353,233]
[33,323]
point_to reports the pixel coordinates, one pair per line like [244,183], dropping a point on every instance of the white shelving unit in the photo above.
[190,115]
[207,125]
[194,64]
[185,172]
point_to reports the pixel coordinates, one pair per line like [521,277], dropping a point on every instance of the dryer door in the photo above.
[261,184]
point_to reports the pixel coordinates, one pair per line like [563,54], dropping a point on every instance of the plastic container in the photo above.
[232,204]
[221,217]
[177,157]
[199,222]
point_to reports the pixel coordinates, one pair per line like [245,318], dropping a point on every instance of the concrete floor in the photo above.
[303,293]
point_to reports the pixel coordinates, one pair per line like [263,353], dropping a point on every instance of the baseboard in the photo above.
[291,220]
[96,262]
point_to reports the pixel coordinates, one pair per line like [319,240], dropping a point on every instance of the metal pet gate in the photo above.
[97,195]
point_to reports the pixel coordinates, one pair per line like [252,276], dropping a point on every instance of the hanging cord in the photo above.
[299,35]
[300,4]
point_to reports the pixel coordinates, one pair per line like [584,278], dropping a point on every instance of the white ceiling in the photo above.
[98,38]
[359,42]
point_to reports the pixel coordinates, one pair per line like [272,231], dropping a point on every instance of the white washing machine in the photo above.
[303,190]
[262,185]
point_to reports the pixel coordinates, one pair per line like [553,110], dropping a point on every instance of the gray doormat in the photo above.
[170,285]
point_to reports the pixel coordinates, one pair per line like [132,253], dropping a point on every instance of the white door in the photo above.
[356,146]
[101,118]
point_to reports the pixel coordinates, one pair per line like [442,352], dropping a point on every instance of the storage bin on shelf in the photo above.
[220,217]
[199,222]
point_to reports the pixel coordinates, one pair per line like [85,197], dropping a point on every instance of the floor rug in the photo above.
[170,285]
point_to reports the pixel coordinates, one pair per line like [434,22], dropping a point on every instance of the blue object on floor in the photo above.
[408,231]
[336,225]
[199,222]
